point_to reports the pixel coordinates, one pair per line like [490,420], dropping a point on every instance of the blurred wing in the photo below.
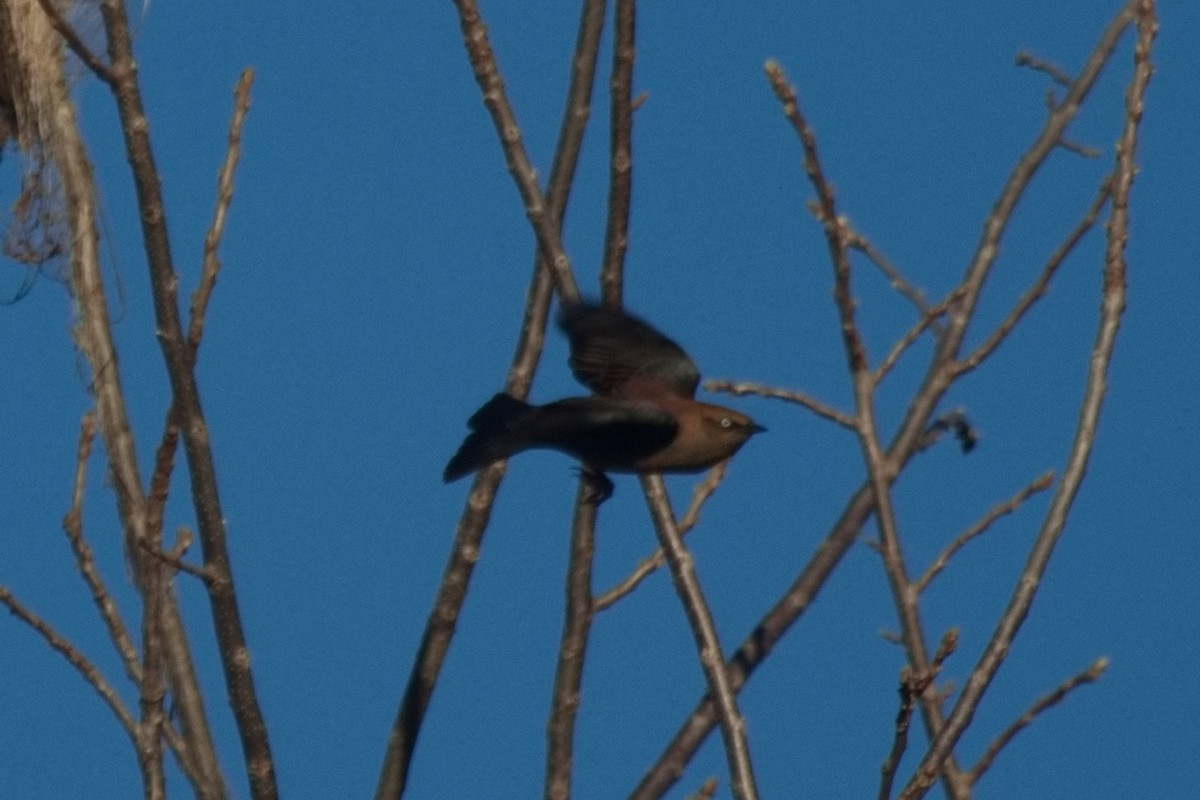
[618,355]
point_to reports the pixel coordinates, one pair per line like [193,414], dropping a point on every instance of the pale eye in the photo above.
[726,422]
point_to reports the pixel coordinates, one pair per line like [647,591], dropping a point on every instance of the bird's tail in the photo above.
[493,436]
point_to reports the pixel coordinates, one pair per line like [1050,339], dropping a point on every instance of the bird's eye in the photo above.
[726,422]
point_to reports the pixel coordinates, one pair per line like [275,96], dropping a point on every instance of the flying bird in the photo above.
[642,417]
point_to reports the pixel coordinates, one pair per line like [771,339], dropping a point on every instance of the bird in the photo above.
[642,416]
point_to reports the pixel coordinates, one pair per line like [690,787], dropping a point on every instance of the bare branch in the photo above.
[1039,484]
[901,284]
[910,688]
[1018,181]
[1038,289]
[176,562]
[577,623]
[913,685]
[73,526]
[620,189]
[1027,59]
[927,320]
[700,494]
[185,394]
[881,474]
[795,601]
[946,648]
[1112,308]
[152,690]
[1078,149]
[212,239]
[76,659]
[738,388]
[160,480]
[1089,675]
[708,645]
[836,230]
[545,227]
[52,123]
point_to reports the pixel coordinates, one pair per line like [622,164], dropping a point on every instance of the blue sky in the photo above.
[375,266]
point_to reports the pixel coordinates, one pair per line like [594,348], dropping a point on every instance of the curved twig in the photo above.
[700,494]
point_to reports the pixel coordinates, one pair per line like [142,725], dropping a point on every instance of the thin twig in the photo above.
[1089,675]
[76,659]
[1087,151]
[487,75]
[175,562]
[738,388]
[160,480]
[1041,483]
[895,277]
[913,684]
[946,648]
[1112,307]
[836,230]
[1059,76]
[700,494]
[81,50]
[152,689]
[216,229]
[1039,287]
[577,623]
[620,169]
[72,524]
[708,645]
[927,320]
[1021,177]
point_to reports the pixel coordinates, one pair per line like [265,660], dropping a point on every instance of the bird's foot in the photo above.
[597,485]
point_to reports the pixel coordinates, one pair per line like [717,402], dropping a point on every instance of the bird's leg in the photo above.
[600,488]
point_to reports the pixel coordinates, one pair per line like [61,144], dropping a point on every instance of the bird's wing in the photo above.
[618,355]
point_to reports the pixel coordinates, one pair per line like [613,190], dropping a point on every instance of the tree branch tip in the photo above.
[946,648]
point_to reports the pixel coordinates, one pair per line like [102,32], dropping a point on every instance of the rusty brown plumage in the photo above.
[642,417]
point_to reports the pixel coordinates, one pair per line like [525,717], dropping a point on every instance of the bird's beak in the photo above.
[757,429]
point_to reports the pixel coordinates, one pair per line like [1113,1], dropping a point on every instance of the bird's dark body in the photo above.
[642,417]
